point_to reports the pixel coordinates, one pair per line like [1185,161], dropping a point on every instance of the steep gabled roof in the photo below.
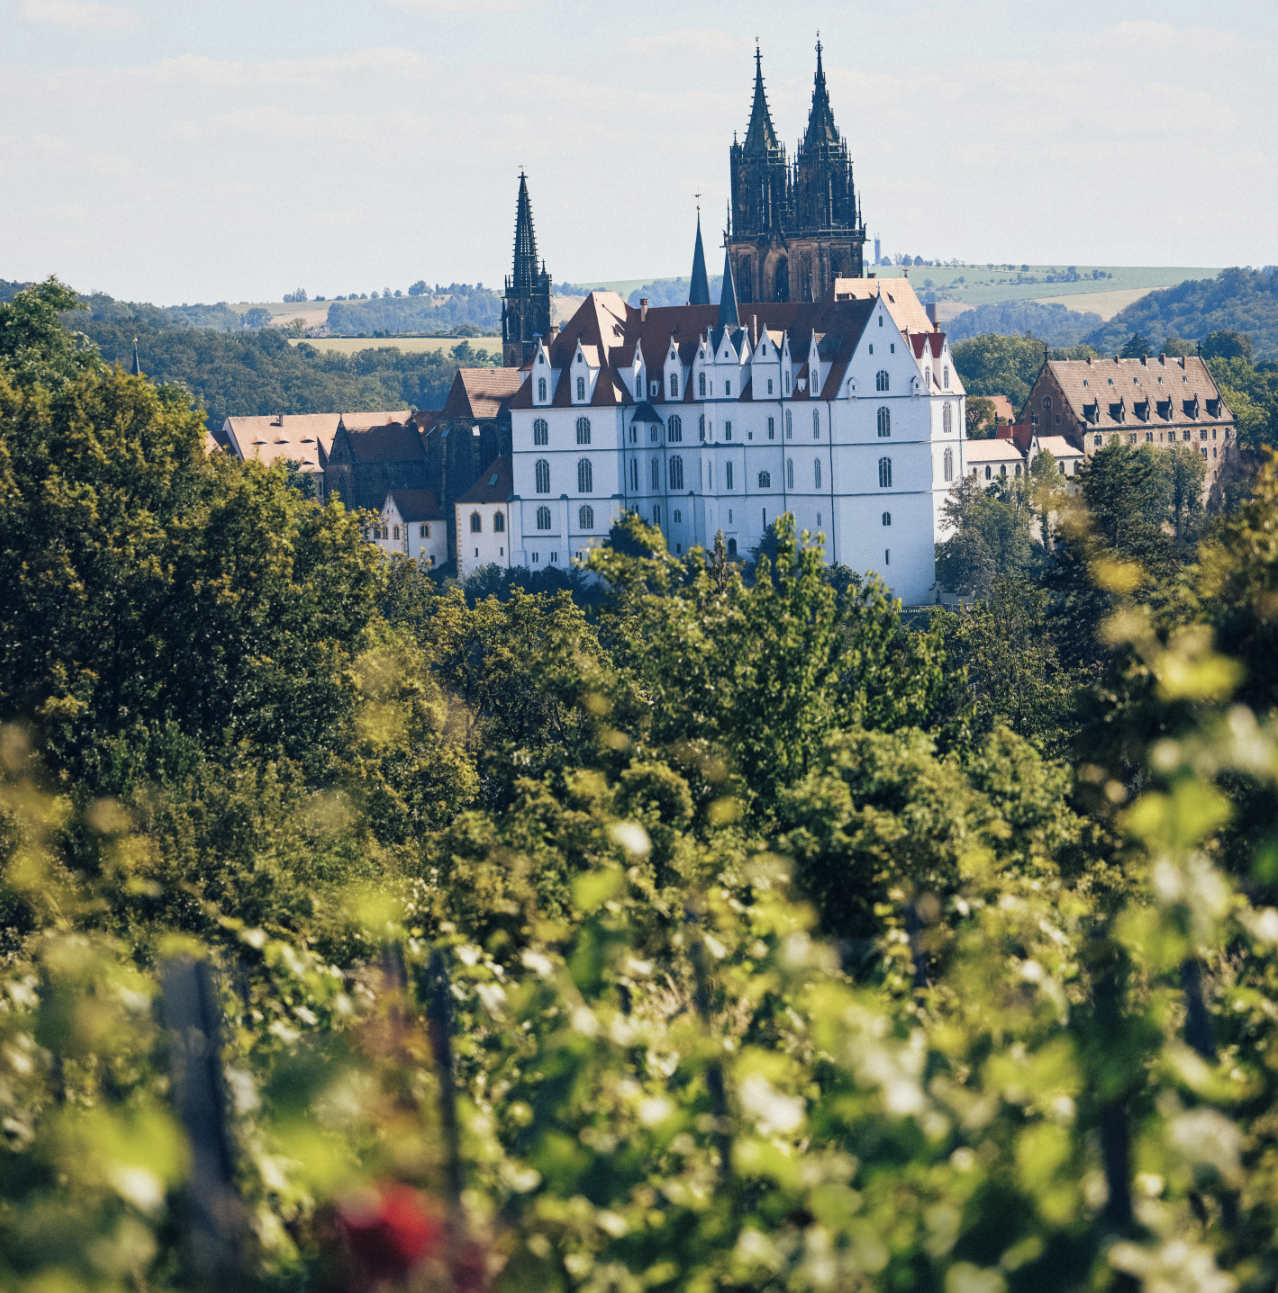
[397,442]
[821,128]
[481,392]
[699,290]
[495,484]
[727,296]
[1099,388]
[415,504]
[899,299]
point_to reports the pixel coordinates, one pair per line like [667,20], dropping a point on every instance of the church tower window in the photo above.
[542,473]
[881,380]
[541,432]
[583,430]
[585,477]
[701,385]
[581,388]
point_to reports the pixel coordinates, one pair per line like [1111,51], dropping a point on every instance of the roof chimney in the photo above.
[279,420]
[643,309]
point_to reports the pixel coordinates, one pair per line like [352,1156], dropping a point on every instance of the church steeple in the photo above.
[699,290]
[729,311]
[821,128]
[525,311]
[760,136]
[525,240]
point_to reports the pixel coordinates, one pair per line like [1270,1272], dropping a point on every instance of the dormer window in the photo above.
[701,385]
[541,359]
[581,388]
[674,386]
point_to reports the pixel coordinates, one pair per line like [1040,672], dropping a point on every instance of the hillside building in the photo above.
[412,525]
[1159,401]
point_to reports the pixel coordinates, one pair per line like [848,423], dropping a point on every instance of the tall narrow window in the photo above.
[581,388]
[676,472]
[887,556]
[656,474]
[583,430]
[947,417]
[772,428]
[927,380]
[674,386]
[541,432]
[885,473]
[787,383]
[945,377]
[789,425]
[701,385]
[701,426]
[674,430]
[634,475]
[727,430]
[816,472]
[769,385]
[541,389]
[727,388]
[885,422]
[476,523]
[789,473]
[586,518]
[881,380]
[499,522]
[816,424]
[585,477]
[542,471]
[728,475]
[543,518]
[887,518]
[949,464]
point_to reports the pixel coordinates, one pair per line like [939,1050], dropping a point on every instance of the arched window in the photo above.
[945,377]
[728,474]
[581,388]
[634,475]
[542,471]
[676,472]
[397,531]
[816,471]
[423,531]
[885,422]
[656,474]
[476,523]
[987,474]
[947,417]
[543,518]
[701,425]
[816,424]
[787,383]
[789,473]
[887,518]
[674,430]
[585,477]
[765,480]
[927,379]
[499,522]
[881,381]
[586,518]
[674,386]
[885,473]
[789,425]
[583,430]
[949,462]
[701,385]
[1047,401]
[541,389]
[541,432]
[732,547]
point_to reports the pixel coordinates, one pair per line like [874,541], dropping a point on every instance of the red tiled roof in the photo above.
[496,483]
[481,392]
[1155,392]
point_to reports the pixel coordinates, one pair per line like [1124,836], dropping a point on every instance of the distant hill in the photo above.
[1240,300]
[477,306]
[1051,323]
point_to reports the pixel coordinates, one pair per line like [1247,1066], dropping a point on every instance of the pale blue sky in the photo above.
[234,150]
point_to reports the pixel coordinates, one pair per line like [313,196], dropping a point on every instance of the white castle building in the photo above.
[845,412]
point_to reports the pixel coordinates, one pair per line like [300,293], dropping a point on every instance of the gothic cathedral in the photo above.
[795,228]
[525,310]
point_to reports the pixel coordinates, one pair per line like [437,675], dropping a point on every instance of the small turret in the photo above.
[699,291]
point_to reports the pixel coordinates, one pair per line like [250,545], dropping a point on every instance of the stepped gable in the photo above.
[496,483]
[415,504]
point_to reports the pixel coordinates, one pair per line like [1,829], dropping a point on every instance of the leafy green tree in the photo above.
[1135,347]
[996,365]
[980,418]
[1227,344]
[1048,491]
[989,534]
[1187,469]
[1178,346]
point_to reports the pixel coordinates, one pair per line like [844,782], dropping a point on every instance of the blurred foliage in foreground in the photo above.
[718,939]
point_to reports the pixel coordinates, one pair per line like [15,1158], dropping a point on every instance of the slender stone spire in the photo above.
[699,292]
[821,127]
[526,268]
[760,136]
[137,364]
[729,315]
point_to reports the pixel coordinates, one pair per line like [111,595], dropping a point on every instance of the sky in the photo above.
[237,149]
